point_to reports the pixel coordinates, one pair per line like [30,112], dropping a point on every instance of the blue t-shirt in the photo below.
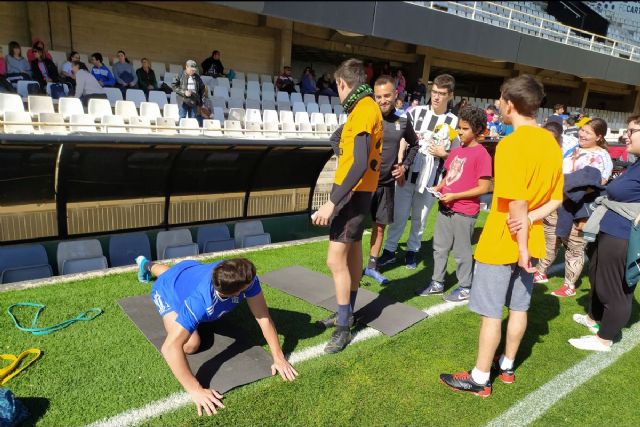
[187,289]
[626,189]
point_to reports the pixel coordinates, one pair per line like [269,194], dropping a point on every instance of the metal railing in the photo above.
[517,20]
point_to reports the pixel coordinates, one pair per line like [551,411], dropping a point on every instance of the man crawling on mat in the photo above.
[190,293]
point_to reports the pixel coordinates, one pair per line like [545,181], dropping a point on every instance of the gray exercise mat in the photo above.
[375,310]
[225,359]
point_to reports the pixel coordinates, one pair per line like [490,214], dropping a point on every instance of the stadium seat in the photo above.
[159,68]
[299,107]
[85,59]
[252,77]
[218,114]
[158,97]
[236,103]
[59,58]
[236,114]
[126,109]
[270,129]
[113,95]
[188,126]
[253,93]
[240,75]
[99,108]
[309,97]
[296,97]
[77,256]
[264,78]
[268,87]
[175,69]
[136,96]
[335,100]
[283,106]
[218,101]
[289,130]
[286,117]
[150,110]
[252,229]
[10,102]
[312,107]
[270,116]
[338,109]
[323,99]
[222,82]
[168,123]
[113,124]
[321,130]
[253,129]
[22,121]
[214,238]
[302,117]
[267,104]
[252,115]
[317,118]
[236,93]
[253,85]
[170,76]
[212,127]
[52,119]
[64,85]
[82,123]
[342,118]
[305,130]
[232,128]
[209,81]
[252,103]
[70,106]
[268,96]
[175,244]
[125,248]
[331,119]
[282,97]
[143,125]
[22,87]
[238,83]
[326,109]
[40,104]
[23,262]
[221,92]
[171,111]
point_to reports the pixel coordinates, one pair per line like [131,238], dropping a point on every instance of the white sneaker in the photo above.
[589,342]
[582,319]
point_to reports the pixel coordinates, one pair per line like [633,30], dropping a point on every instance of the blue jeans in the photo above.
[187,111]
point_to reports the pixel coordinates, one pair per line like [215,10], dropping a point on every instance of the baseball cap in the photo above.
[192,64]
[583,121]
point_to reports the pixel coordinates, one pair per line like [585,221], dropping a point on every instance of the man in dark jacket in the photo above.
[212,66]
[189,90]
[43,69]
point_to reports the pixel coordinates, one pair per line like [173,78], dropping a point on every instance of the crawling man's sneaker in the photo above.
[463,382]
[330,322]
[376,275]
[339,340]
[144,276]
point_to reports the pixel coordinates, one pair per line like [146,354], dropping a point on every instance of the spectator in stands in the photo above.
[419,91]
[324,85]
[285,82]
[308,82]
[413,104]
[67,71]
[611,294]
[495,126]
[399,101]
[18,68]
[490,111]
[558,113]
[401,84]
[44,70]
[87,86]
[36,42]
[123,72]
[146,77]
[4,83]
[212,66]
[189,90]
[496,104]
[101,72]
[368,71]
[459,106]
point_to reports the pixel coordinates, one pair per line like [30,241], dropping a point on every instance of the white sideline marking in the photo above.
[177,400]
[534,405]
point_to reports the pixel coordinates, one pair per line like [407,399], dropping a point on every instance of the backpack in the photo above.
[57,91]
[12,411]
[231,75]
[33,89]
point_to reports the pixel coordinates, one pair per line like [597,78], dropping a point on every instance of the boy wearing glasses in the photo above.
[413,197]
[190,293]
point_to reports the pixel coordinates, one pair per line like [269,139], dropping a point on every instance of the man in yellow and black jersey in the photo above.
[356,179]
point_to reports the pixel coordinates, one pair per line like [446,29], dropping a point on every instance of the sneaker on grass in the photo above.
[458,295]
[376,275]
[583,320]
[540,277]
[590,342]
[463,382]
[564,291]
[433,288]
[410,260]
[507,376]
[330,322]
[386,258]
[339,340]
[144,276]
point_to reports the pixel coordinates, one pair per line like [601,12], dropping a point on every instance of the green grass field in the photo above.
[98,369]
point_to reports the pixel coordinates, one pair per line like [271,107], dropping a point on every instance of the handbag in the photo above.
[57,91]
[632,266]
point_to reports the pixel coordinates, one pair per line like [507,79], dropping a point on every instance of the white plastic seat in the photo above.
[238,83]
[221,92]
[22,120]
[282,97]
[126,109]
[270,116]
[317,118]
[268,104]
[323,99]
[143,123]
[299,107]
[289,130]
[82,123]
[212,127]
[252,77]
[70,106]
[189,126]
[335,100]
[267,86]
[253,85]
[232,128]
[342,119]
[175,68]
[252,115]
[236,93]
[296,97]
[113,124]
[253,104]
[223,82]
[209,81]
[253,93]
[99,108]
[305,130]
[312,107]
[40,104]
[286,117]
[302,117]
[268,95]
[170,76]
[23,87]
[113,95]
[10,102]
[331,119]
[253,129]
[326,109]
[171,111]
[236,114]
[168,124]
[150,110]
[218,101]
[321,130]
[270,129]
[235,103]
[52,119]
[136,96]
[338,109]
[159,68]
[218,114]
[283,106]
[158,97]
[240,75]
[266,78]
[308,97]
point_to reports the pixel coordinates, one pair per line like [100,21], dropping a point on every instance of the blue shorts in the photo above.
[162,291]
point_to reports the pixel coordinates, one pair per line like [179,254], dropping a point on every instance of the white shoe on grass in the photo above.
[589,342]
[583,319]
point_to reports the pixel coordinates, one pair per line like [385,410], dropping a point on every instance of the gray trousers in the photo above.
[453,231]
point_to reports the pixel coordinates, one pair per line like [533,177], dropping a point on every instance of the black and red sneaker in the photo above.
[463,382]
[507,376]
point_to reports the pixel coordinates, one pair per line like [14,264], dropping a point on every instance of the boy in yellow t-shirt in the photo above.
[528,186]
[356,180]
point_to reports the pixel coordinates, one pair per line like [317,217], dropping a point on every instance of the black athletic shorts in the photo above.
[348,225]
[382,205]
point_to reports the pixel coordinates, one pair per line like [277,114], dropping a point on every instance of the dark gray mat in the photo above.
[375,310]
[225,360]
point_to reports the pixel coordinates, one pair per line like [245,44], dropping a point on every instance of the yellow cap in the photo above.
[583,121]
